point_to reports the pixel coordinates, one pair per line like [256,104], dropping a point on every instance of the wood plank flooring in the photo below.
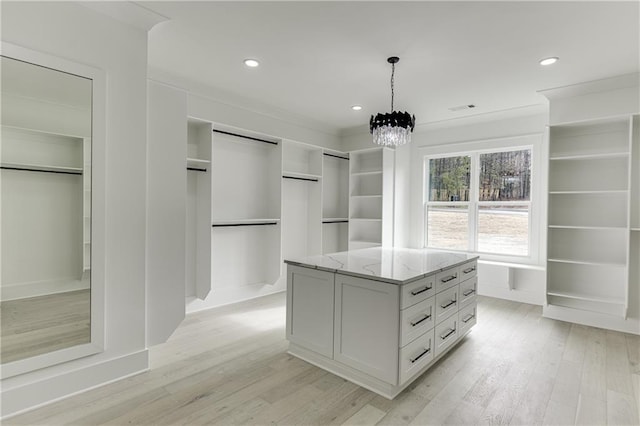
[42,324]
[229,366]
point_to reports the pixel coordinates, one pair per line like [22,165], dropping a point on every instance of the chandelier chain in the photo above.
[393,71]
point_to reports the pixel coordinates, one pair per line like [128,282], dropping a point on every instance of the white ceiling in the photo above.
[319,58]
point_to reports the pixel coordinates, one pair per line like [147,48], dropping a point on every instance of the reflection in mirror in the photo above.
[45,208]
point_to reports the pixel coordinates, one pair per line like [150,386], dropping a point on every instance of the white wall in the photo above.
[78,34]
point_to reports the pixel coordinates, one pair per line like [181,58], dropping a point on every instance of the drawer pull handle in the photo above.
[448,333]
[468,292]
[422,290]
[426,351]
[468,318]
[449,303]
[449,278]
[424,318]
[469,270]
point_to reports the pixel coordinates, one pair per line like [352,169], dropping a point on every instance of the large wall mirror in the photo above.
[50,298]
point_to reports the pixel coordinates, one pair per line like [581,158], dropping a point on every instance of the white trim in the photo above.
[98,207]
[27,397]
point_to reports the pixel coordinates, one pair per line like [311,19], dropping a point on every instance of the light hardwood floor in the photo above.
[37,325]
[230,366]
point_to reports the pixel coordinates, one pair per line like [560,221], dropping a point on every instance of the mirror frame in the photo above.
[98,168]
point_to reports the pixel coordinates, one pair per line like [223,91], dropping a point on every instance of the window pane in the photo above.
[449,178]
[504,230]
[505,176]
[448,227]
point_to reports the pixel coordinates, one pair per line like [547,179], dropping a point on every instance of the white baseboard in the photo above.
[28,396]
[593,319]
[15,291]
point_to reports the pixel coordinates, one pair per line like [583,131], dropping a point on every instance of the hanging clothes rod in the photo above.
[336,156]
[195,169]
[299,178]
[27,169]
[245,137]
[335,221]
[221,225]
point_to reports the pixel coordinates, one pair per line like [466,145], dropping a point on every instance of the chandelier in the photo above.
[393,128]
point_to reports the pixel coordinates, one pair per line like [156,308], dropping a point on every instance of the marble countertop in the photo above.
[393,265]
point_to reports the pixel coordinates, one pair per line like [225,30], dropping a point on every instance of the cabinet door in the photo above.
[367,326]
[310,309]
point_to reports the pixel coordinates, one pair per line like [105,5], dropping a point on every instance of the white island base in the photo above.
[379,317]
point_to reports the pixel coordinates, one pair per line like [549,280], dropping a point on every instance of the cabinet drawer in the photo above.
[468,290]
[416,320]
[417,291]
[467,317]
[447,278]
[468,270]
[446,333]
[415,356]
[446,303]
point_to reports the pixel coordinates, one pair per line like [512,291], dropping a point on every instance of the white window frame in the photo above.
[536,204]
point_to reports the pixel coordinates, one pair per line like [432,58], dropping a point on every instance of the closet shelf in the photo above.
[366,219]
[586,262]
[600,156]
[600,191]
[335,220]
[244,222]
[587,227]
[370,173]
[577,296]
[301,176]
[367,196]
[41,168]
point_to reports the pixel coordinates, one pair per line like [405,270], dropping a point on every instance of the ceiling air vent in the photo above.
[462,107]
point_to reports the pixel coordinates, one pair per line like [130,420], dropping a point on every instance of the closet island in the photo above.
[379,317]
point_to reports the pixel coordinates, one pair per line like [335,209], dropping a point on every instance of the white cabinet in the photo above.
[378,334]
[366,326]
[371,199]
[310,294]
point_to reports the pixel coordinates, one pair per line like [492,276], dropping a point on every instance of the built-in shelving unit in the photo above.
[198,211]
[371,198]
[301,200]
[590,179]
[335,202]
[245,225]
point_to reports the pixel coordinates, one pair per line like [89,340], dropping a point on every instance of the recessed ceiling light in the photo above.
[356,107]
[251,63]
[549,61]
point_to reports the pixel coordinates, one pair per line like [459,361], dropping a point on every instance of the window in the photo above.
[479,202]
